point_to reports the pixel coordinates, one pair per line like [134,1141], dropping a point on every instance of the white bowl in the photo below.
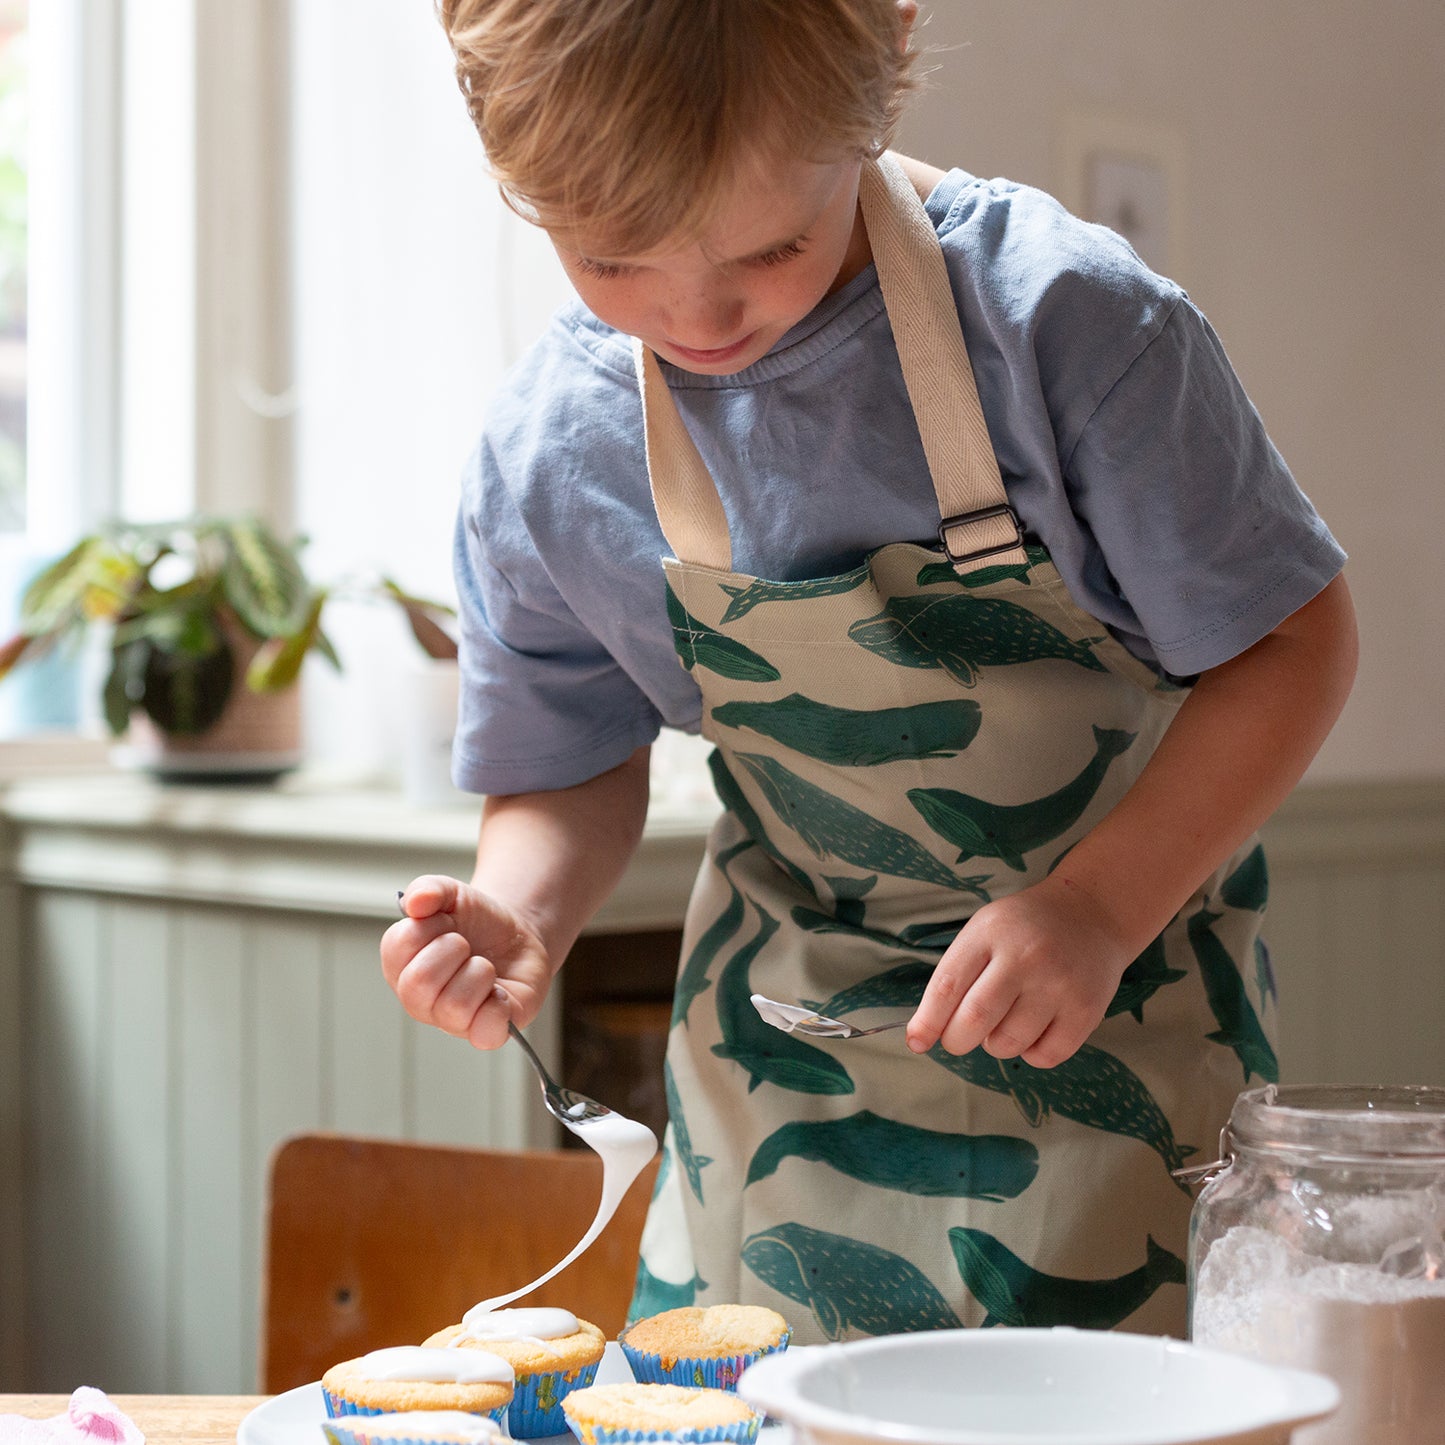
[1032,1387]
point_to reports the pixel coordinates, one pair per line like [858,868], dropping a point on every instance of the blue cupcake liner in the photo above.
[536,1407]
[338,1407]
[716,1372]
[739,1432]
[339,1434]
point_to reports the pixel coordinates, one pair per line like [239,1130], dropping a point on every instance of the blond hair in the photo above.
[627,119]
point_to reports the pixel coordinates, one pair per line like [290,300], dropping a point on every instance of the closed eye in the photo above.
[780,254]
[604,270]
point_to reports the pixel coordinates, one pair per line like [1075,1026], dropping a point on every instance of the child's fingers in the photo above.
[981,1010]
[956,973]
[465,1001]
[1018,1030]
[427,974]
[401,943]
[431,893]
[1057,1043]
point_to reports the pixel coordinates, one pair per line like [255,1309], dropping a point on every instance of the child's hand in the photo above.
[1029,975]
[464,962]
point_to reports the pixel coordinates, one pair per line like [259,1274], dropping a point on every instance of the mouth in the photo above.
[714,356]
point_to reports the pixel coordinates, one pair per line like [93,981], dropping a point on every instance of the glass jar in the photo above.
[1317,1242]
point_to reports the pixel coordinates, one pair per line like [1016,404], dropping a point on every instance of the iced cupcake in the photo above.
[707,1346]
[415,1427]
[410,1377]
[621,1414]
[551,1352]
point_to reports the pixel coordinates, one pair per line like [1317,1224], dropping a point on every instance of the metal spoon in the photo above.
[794,1019]
[565,1105]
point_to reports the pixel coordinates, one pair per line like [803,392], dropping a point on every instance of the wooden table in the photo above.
[162,1419]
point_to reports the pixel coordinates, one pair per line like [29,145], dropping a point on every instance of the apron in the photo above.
[894,747]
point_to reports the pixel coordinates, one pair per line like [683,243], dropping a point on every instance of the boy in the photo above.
[1008,623]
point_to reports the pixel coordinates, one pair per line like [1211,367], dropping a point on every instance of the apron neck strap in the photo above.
[976,522]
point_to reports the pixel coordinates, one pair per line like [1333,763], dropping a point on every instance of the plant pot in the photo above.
[257,738]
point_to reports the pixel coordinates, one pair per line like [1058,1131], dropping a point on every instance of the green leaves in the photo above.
[185,598]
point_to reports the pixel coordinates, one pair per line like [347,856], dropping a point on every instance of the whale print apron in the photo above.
[896,746]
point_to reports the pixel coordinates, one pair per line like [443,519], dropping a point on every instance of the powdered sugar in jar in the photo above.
[1319,1244]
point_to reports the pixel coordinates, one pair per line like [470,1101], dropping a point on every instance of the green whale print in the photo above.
[1142,980]
[852,1287]
[1092,1088]
[1248,886]
[983,576]
[758,591]
[962,634]
[852,738]
[898,987]
[692,977]
[874,1150]
[767,1054]
[699,645]
[736,802]
[692,1164]
[1013,1293]
[1239,1026]
[1264,971]
[980,829]
[650,1295]
[848,917]
[833,828]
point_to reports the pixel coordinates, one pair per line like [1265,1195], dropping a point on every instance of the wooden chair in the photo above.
[372,1242]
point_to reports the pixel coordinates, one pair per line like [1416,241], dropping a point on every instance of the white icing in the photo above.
[525,1324]
[787,1016]
[422,1424]
[626,1148]
[434,1366]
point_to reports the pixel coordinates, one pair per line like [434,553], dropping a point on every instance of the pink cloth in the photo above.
[91,1419]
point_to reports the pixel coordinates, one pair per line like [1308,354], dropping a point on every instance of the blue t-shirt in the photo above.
[1126,442]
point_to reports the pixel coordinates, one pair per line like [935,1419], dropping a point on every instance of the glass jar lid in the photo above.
[1363,1122]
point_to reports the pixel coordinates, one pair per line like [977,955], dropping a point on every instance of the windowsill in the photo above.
[50,755]
[307,842]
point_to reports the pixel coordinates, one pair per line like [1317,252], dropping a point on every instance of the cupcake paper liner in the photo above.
[536,1407]
[338,1434]
[337,1407]
[716,1372]
[739,1432]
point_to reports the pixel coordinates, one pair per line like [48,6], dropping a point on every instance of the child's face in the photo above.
[782,239]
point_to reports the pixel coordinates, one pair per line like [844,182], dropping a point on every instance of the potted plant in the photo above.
[209,617]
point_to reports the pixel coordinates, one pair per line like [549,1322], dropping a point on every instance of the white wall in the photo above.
[1313,140]
[1312,187]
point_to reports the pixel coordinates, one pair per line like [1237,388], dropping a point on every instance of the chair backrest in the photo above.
[373,1242]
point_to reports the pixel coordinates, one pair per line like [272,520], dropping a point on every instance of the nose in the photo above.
[705,315]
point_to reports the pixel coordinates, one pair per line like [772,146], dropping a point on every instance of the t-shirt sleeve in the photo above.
[1197,519]
[543,703]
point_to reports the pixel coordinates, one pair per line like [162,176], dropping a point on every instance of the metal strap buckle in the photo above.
[983,514]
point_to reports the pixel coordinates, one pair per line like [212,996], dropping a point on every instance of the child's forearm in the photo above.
[1239,744]
[556,856]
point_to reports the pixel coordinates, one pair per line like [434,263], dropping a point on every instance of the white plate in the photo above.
[295,1417]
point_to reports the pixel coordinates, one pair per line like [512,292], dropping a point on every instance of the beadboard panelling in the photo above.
[170,1049]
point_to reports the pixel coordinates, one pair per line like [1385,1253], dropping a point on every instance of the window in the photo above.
[13,205]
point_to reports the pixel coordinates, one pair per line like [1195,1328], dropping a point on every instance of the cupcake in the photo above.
[414,1427]
[550,1351]
[706,1346]
[409,1377]
[618,1414]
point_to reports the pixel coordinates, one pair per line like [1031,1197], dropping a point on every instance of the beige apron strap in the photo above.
[977,521]
[689,510]
[977,524]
